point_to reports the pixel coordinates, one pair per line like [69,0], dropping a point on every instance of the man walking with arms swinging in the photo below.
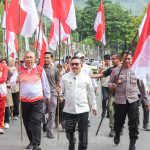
[79,97]
[33,82]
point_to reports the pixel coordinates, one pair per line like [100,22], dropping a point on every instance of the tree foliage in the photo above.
[121,26]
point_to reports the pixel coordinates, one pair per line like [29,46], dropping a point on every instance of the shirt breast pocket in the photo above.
[121,80]
[133,79]
[81,85]
[70,85]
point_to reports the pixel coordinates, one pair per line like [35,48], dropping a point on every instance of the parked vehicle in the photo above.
[95,66]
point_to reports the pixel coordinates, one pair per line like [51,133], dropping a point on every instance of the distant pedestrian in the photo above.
[67,64]
[104,82]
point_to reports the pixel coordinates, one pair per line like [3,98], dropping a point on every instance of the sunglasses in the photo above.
[75,64]
[107,58]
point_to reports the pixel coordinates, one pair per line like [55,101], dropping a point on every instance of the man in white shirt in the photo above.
[87,70]
[79,98]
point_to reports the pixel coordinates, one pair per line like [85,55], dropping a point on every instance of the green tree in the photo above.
[121,26]
[85,19]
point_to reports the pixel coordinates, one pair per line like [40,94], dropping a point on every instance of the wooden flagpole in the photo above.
[19,51]
[59,55]
[40,23]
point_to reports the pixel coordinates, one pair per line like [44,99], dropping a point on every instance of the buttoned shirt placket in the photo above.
[75,90]
[128,73]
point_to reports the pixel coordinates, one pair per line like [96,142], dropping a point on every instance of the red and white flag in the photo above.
[59,9]
[41,44]
[53,41]
[54,34]
[4,21]
[5,14]
[12,43]
[10,38]
[99,25]
[46,7]
[62,14]
[141,59]
[28,17]
[67,40]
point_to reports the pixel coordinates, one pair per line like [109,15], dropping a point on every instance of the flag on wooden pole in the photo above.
[22,17]
[62,15]
[99,25]
[10,42]
[41,44]
[141,59]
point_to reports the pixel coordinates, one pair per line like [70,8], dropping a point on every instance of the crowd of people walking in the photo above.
[64,93]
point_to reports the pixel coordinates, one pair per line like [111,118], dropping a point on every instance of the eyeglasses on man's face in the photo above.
[74,64]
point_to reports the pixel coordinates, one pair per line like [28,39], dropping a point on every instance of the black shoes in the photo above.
[132,145]
[30,146]
[49,135]
[45,127]
[146,128]
[37,147]
[89,124]
[117,139]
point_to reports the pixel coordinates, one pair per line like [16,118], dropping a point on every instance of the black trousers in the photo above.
[105,93]
[145,116]
[32,117]
[7,114]
[69,123]
[15,97]
[132,110]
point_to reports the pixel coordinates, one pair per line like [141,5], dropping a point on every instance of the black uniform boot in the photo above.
[117,138]
[132,145]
